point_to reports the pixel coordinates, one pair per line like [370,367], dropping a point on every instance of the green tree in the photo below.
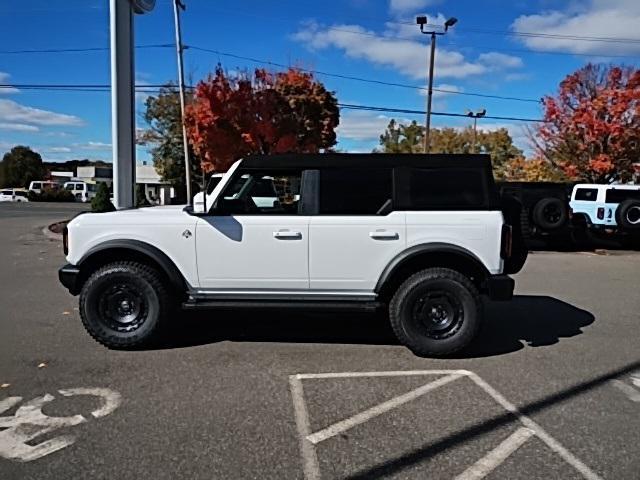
[101,202]
[21,166]
[400,138]
[164,137]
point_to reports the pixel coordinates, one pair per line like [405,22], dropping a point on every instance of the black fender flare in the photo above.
[430,248]
[169,268]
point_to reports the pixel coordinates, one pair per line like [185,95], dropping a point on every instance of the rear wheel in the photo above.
[628,214]
[124,305]
[436,312]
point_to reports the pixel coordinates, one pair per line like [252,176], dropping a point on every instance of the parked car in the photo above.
[38,186]
[82,191]
[339,231]
[13,195]
[545,210]
[607,207]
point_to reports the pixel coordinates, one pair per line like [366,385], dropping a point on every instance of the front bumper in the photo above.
[69,276]
[500,287]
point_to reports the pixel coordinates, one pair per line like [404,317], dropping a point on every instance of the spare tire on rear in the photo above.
[550,213]
[628,214]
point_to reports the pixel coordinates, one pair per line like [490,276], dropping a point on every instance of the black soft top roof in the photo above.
[330,160]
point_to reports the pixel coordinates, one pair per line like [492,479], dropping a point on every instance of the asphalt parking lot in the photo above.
[550,390]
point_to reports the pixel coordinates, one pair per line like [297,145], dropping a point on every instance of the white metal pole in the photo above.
[177,5]
[122,103]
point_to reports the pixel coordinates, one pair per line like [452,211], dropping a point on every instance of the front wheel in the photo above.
[436,312]
[124,305]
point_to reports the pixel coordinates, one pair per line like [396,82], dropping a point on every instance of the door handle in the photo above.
[287,235]
[384,235]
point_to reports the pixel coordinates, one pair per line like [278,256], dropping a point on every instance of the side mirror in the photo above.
[198,203]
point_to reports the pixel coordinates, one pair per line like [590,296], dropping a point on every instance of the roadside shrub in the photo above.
[50,195]
[101,202]
[141,198]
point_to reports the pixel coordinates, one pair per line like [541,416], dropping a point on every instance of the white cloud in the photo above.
[595,18]
[92,146]
[499,61]
[18,127]
[59,150]
[4,79]
[408,6]
[11,111]
[361,126]
[409,57]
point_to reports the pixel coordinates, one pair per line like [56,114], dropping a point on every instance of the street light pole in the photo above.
[475,116]
[422,21]
[427,132]
[177,6]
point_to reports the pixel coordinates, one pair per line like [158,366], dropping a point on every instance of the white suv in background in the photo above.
[607,206]
[423,236]
[13,195]
[83,192]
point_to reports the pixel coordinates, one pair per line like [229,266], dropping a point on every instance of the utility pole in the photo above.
[475,116]
[422,21]
[177,7]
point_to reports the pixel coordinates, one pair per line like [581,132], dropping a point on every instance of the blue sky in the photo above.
[372,39]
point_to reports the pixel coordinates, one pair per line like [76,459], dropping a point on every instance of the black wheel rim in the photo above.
[437,314]
[122,307]
[552,213]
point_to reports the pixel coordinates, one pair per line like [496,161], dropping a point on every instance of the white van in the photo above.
[83,192]
[38,186]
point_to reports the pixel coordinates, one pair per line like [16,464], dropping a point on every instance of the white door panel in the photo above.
[253,252]
[350,252]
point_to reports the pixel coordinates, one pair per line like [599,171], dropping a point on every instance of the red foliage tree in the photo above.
[592,128]
[270,113]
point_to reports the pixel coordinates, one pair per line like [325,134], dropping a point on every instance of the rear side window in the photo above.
[587,194]
[620,195]
[355,191]
[444,189]
[20,194]
[6,192]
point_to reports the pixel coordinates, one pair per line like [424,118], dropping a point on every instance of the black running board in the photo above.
[369,306]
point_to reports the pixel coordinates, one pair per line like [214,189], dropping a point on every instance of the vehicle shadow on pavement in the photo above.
[531,320]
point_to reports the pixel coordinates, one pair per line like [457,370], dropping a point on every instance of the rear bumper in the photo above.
[500,287]
[69,276]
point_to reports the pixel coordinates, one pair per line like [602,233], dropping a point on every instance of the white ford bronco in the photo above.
[421,235]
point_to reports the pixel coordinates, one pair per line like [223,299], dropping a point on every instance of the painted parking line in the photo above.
[629,386]
[346,424]
[309,440]
[497,456]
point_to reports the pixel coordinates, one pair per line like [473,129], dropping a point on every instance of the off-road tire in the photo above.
[550,213]
[148,293]
[409,321]
[627,214]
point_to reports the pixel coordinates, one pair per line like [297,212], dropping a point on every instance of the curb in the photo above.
[51,235]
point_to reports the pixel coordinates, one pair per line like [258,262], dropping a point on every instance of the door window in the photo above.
[261,192]
[356,191]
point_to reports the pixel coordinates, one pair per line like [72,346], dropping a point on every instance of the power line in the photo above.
[156,88]
[360,79]
[78,50]
[420,112]
[472,29]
